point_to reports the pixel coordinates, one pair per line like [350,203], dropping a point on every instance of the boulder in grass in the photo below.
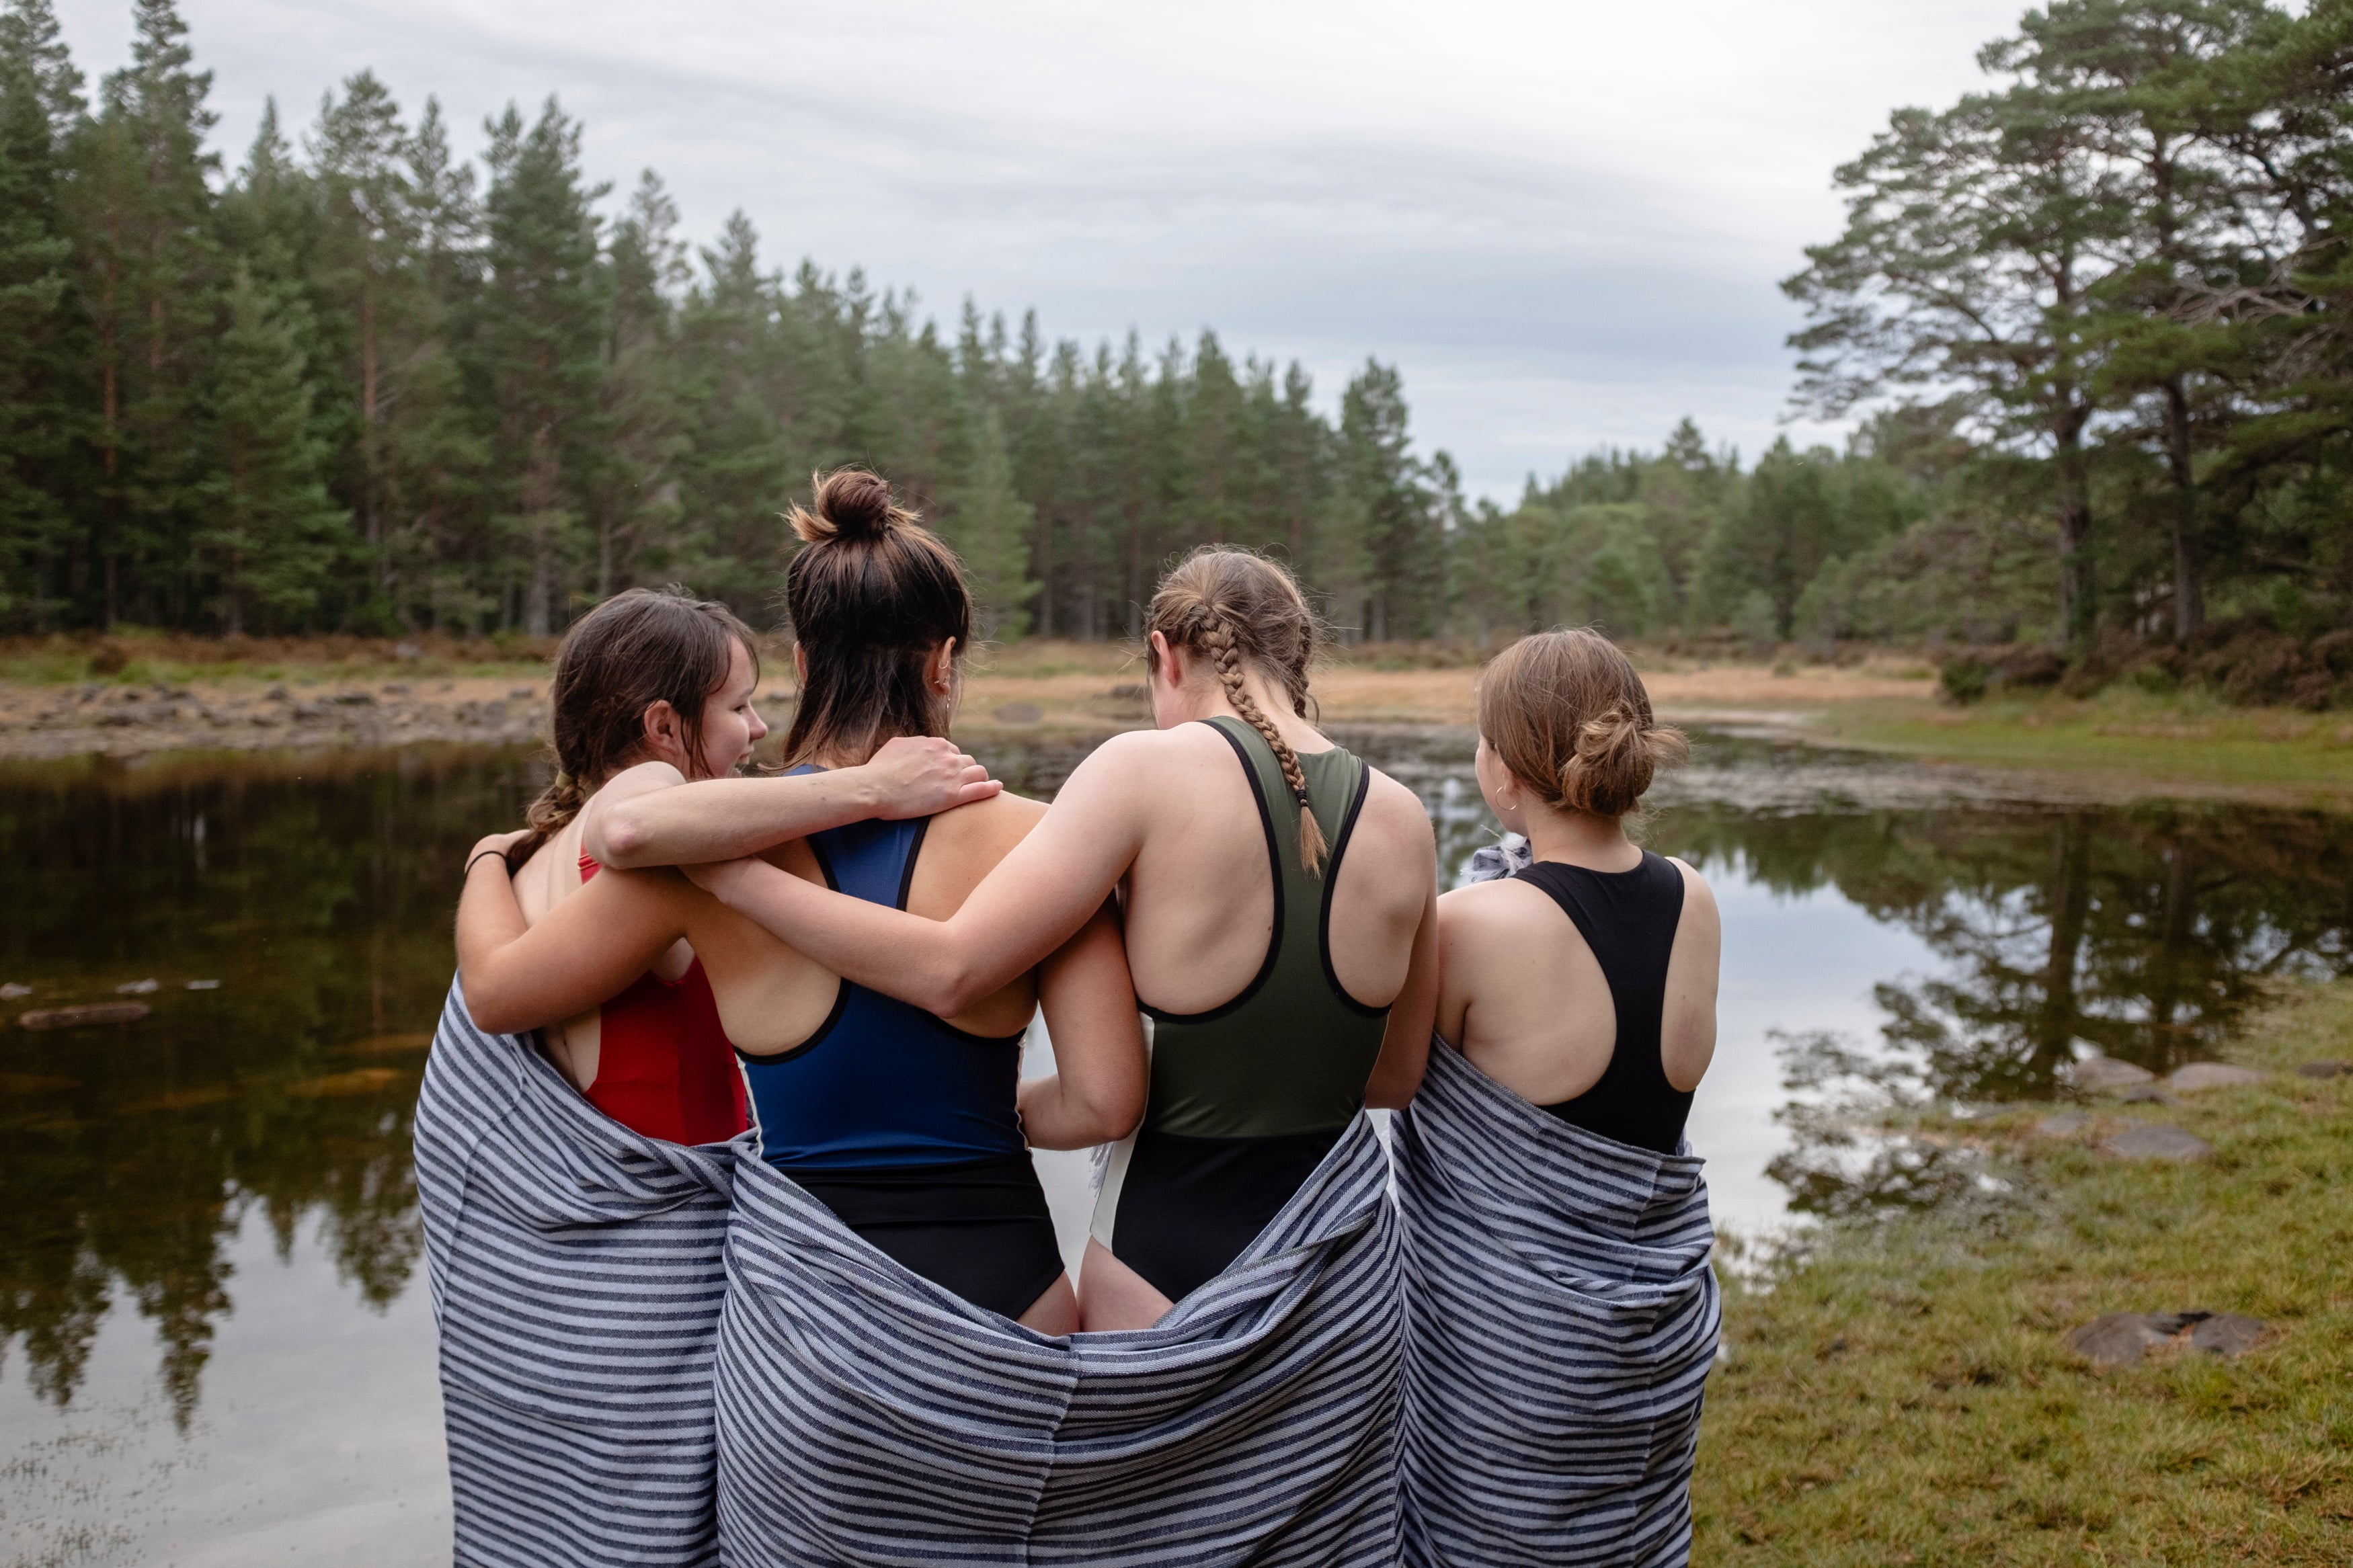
[2099,1074]
[2151,1141]
[2213,1075]
[2115,1338]
[2326,1070]
[2226,1335]
[2062,1124]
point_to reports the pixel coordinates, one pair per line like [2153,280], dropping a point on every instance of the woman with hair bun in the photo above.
[1544,1164]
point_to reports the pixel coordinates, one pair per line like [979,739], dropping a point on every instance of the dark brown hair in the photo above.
[1566,714]
[872,595]
[1239,609]
[638,648]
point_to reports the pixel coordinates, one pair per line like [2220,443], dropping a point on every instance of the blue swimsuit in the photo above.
[903,1125]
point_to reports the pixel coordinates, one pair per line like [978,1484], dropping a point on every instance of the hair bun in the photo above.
[851,505]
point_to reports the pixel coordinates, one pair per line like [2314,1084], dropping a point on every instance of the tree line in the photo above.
[2089,323]
[362,385]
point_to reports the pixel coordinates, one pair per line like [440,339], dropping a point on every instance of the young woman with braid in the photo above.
[910,1125]
[1279,901]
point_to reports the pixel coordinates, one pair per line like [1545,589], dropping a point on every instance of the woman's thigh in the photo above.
[1113,1296]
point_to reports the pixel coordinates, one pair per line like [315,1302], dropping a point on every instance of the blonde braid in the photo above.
[1216,638]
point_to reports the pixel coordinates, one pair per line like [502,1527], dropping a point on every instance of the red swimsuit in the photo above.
[665,1066]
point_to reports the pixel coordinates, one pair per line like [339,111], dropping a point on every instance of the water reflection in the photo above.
[318,893]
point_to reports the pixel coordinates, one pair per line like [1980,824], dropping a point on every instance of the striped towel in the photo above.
[866,1416]
[1562,1318]
[576,1275]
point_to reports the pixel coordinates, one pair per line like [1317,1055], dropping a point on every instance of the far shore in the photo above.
[2141,742]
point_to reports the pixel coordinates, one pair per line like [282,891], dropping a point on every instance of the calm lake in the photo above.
[218,1343]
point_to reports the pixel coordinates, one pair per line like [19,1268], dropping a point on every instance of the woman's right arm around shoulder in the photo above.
[590,947]
[1095,1094]
[650,814]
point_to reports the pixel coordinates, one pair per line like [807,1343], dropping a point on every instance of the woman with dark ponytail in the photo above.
[1543,1165]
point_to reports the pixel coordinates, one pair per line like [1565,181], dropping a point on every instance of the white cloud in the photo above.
[1565,222]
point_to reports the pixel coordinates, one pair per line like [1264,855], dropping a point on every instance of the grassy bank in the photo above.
[1904,1393]
[2187,740]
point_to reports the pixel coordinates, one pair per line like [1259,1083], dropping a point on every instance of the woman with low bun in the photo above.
[1561,1313]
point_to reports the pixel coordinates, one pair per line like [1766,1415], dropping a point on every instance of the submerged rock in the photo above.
[91,1012]
[2151,1141]
[2213,1075]
[2105,1073]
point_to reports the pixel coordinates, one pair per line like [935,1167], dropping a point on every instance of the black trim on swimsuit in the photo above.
[978,1228]
[1274,878]
[1332,867]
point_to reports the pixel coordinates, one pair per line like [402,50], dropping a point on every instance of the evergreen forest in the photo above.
[2089,325]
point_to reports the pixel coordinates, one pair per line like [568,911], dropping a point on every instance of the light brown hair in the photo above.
[638,648]
[1241,610]
[871,597]
[1566,714]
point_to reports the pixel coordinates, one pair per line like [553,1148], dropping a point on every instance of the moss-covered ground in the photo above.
[1900,1391]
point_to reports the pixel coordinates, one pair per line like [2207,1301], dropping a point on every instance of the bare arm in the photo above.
[649,816]
[1036,898]
[1405,1046]
[589,948]
[1096,1092]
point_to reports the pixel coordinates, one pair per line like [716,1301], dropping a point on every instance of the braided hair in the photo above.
[1242,611]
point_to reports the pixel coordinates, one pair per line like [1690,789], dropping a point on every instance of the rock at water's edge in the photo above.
[2213,1075]
[2156,1143]
[2107,1073]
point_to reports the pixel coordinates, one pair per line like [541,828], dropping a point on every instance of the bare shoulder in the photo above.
[1395,812]
[995,825]
[1699,898]
[1490,909]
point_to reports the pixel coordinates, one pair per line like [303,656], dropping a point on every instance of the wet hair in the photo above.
[640,646]
[872,596]
[1566,714]
[1240,610]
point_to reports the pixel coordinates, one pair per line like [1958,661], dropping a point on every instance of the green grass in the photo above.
[2187,740]
[1900,1393]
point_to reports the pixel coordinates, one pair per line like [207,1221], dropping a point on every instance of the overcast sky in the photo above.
[1564,221]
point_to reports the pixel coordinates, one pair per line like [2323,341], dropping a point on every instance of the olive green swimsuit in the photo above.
[1248,1098]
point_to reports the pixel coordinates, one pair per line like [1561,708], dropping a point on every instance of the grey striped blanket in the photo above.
[1562,1318]
[576,1276]
[866,1416]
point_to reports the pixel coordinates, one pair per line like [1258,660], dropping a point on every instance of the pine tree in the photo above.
[43,338]
[537,338]
[269,533]
[989,527]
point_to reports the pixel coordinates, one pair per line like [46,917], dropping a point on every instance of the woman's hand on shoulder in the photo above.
[923,776]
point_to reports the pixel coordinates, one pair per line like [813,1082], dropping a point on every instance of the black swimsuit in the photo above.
[1629,920]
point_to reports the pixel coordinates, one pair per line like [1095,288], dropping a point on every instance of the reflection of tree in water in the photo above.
[2144,931]
[130,1155]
